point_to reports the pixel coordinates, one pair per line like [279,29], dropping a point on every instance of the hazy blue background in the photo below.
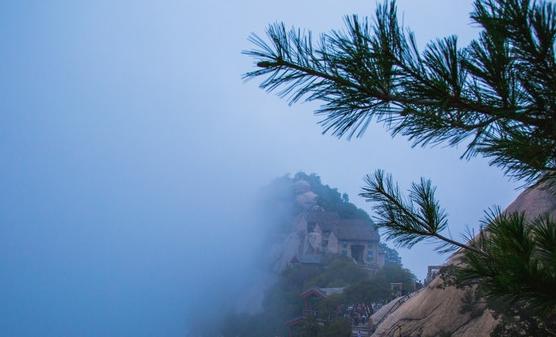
[130,150]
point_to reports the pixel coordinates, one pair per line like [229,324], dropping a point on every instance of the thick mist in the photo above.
[131,154]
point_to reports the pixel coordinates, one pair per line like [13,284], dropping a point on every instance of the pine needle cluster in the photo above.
[496,94]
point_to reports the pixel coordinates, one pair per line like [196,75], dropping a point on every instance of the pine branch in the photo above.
[494,92]
[519,264]
[408,221]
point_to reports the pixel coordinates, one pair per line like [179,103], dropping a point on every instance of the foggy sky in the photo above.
[131,150]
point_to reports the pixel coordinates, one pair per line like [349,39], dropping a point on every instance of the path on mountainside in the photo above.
[388,308]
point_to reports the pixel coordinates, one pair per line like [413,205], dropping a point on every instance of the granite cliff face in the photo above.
[438,310]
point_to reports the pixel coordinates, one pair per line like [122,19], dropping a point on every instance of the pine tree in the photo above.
[496,95]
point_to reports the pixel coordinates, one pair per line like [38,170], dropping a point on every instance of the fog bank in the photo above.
[132,151]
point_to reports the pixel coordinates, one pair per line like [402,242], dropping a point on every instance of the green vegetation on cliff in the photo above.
[283,301]
[330,199]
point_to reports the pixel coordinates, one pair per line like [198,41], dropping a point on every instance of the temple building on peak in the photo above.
[326,233]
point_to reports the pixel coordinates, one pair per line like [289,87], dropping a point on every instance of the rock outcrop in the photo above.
[437,309]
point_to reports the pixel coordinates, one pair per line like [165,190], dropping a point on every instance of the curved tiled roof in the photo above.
[344,229]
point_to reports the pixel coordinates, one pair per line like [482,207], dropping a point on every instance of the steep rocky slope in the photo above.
[438,310]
